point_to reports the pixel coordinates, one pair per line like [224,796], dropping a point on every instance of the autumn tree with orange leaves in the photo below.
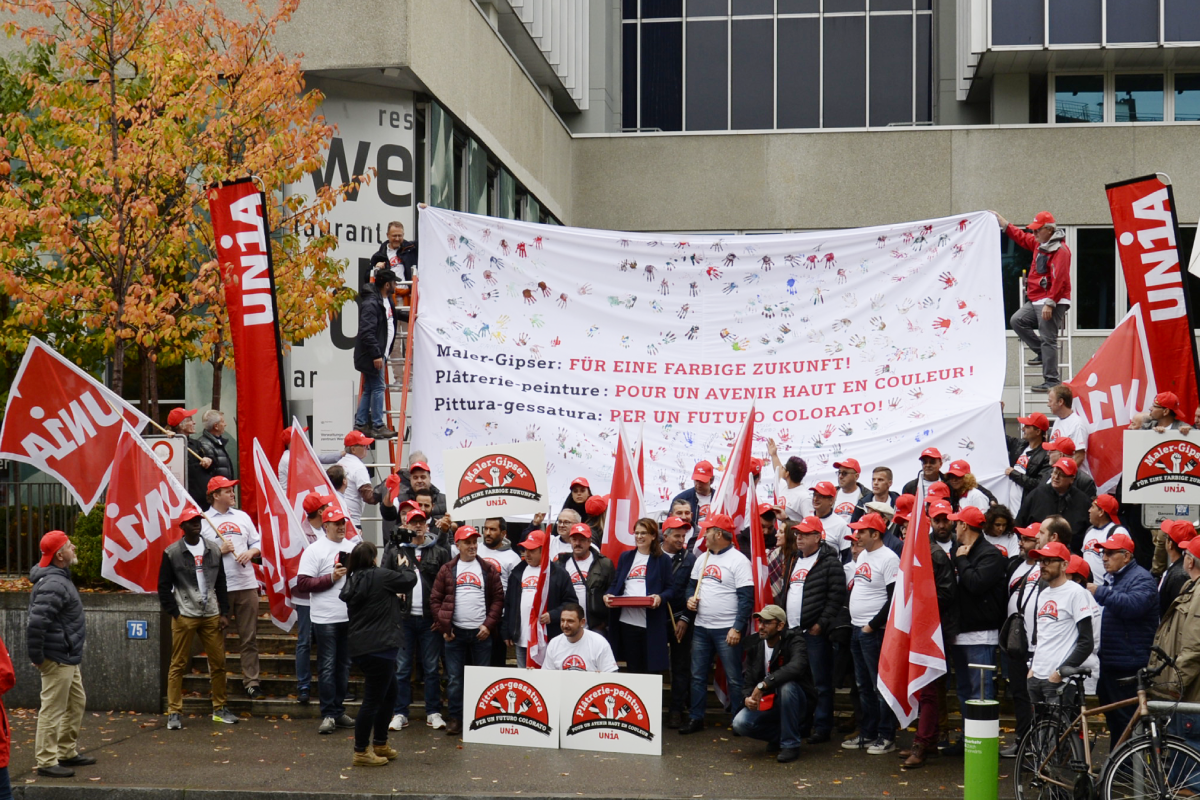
[113,121]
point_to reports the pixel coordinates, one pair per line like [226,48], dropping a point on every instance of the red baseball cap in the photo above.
[970,515]
[931,452]
[959,468]
[904,507]
[825,488]
[765,508]
[580,529]
[673,522]
[703,471]
[938,490]
[219,482]
[939,508]
[1119,541]
[1180,530]
[313,502]
[1037,419]
[1054,550]
[178,415]
[1042,218]
[51,543]
[190,512]
[1063,445]
[852,536]
[810,525]
[756,465]
[418,465]
[1170,401]
[287,435]
[870,521]
[411,515]
[354,438]
[534,540]
[465,532]
[333,514]
[1067,465]
[1031,532]
[848,463]
[1078,566]
[596,505]
[1193,548]
[721,521]
[581,482]
[1108,504]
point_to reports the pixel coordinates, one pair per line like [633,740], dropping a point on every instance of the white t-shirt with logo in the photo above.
[197,551]
[1027,574]
[1058,612]
[837,532]
[503,560]
[557,547]
[1093,552]
[577,571]
[635,586]
[1072,427]
[470,610]
[844,503]
[1008,544]
[529,582]
[873,571]
[975,499]
[319,559]
[796,501]
[719,576]
[795,598]
[235,525]
[703,503]
[356,476]
[590,654]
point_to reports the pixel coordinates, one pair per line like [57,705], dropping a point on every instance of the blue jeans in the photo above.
[304,638]
[820,660]
[522,655]
[465,646]
[5,785]
[706,643]
[877,721]
[333,666]
[966,680]
[418,638]
[1185,726]
[371,401]
[780,723]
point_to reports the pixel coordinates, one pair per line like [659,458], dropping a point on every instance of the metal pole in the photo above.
[981,743]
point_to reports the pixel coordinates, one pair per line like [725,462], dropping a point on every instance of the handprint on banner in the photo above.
[966,443]
[470,334]
[916,415]
[750,278]
[883,369]
[655,307]
[881,242]
[815,335]
[828,431]
[948,280]
[896,254]
[489,277]
[469,261]
[652,348]
[894,402]
[941,325]
[546,291]
[683,311]
[528,295]
[929,302]
[850,300]
[585,289]
[555,342]
[562,300]
[730,258]
[649,273]
[713,273]
[627,265]
[916,393]
[592,331]
[817,441]
[532,432]
[467,282]
[730,288]
[841,276]
[969,317]
[452,263]
[664,288]
[521,340]
[492,295]
[692,332]
[749,249]
[521,250]
[878,301]
[625,341]
[486,235]
[878,324]
[922,436]
[768,311]
[954,390]
[496,262]
[914,326]
[842,324]
[693,289]
[817,297]
[766,263]
[791,286]
[785,310]
[858,341]
[872,423]
[832,349]
[846,430]
[537,321]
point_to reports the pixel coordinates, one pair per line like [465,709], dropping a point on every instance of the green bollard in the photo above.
[981,746]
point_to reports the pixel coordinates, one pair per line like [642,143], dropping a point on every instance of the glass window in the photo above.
[1181,20]
[1074,22]
[1078,98]
[629,76]
[707,75]
[891,69]
[1013,261]
[1187,241]
[891,5]
[924,65]
[1187,98]
[836,6]
[1018,22]
[799,6]
[659,9]
[752,79]
[707,8]
[1132,20]
[746,7]
[629,9]
[845,72]
[1095,283]
[1139,98]
[662,75]
[799,73]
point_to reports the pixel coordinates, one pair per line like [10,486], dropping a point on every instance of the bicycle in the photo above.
[1054,760]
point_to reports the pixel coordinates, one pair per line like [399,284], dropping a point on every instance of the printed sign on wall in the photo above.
[511,707]
[611,712]
[498,480]
[1161,468]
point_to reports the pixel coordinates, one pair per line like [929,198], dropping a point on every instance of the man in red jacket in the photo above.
[1047,292]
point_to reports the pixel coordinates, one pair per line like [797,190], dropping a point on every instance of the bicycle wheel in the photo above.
[1136,772]
[1030,783]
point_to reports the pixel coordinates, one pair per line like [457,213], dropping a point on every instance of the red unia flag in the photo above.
[736,497]
[536,652]
[306,475]
[65,423]
[625,499]
[141,515]
[282,542]
[1115,384]
[913,654]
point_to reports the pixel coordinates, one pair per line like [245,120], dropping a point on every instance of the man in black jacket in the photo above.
[376,333]
[777,667]
[396,253]
[54,640]
[1059,496]
[1178,533]
[421,640]
[1030,461]
[815,572]
[590,573]
[183,422]
[191,589]
[212,445]
[679,640]
[931,473]
[982,601]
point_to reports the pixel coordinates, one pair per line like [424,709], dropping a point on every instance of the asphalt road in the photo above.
[283,755]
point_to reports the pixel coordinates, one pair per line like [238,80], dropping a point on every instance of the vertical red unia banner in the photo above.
[244,254]
[1143,212]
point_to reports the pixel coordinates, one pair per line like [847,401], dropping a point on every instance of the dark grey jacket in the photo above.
[56,628]
[178,589]
[214,447]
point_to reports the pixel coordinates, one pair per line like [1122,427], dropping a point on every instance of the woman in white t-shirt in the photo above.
[638,634]
[790,494]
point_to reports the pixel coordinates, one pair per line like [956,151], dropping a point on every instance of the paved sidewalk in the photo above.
[258,756]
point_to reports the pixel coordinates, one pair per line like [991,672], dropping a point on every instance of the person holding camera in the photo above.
[375,611]
[414,546]
[322,574]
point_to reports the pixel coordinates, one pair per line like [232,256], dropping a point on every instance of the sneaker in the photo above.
[344,721]
[1010,751]
[859,742]
[1043,388]
[174,722]
[399,723]
[254,693]
[881,747]
[367,758]
[788,755]
[303,696]
[434,721]
[1036,361]
[329,725]
[223,714]
[382,432]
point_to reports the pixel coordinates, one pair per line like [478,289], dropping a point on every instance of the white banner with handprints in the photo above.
[870,343]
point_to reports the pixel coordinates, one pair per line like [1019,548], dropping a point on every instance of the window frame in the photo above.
[1110,94]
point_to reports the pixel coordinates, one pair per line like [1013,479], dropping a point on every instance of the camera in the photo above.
[402,536]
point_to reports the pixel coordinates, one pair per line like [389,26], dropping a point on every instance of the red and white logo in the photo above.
[1049,610]
[226,528]
[844,509]
[577,578]
[713,573]
[800,576]
[1023,461]
[612,706]
[512,701]
[864,572]
[469,579]
[574,662]
[1173,462]
[496,476]
[494,563]
[637,573]
[530,582]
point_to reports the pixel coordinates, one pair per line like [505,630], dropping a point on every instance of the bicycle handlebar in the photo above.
[1145,673]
